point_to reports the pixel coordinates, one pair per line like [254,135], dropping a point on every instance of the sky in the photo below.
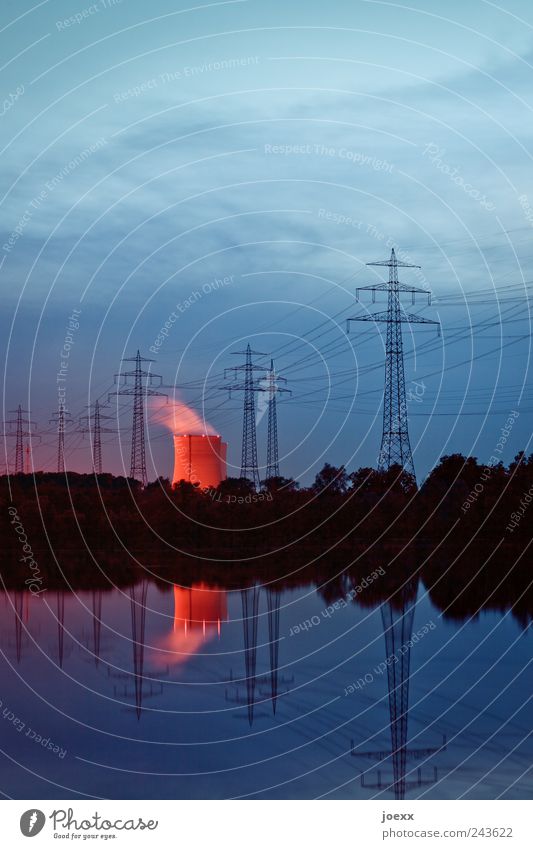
[237,164]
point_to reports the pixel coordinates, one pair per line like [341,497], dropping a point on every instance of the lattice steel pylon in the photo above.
[143,386]
[92,424]
[398,629]
[273,388]
[19,447]
[138,594]
[23,428]
[395,444]
[250,610]
[273,602]
[62,419]
[397,615]
[249,467]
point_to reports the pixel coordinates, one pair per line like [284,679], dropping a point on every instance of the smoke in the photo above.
[179,418]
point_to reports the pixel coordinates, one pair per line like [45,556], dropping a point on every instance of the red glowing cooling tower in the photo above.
[199,459]
[201,606]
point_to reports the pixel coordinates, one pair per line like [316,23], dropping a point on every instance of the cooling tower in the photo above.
[200,607]
[200,459]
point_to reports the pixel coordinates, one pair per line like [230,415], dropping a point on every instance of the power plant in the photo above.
[200,456]
[199,459]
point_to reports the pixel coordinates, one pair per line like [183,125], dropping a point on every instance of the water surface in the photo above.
[165,691]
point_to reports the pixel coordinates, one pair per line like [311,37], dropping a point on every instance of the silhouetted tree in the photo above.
[281,485]
[241,487]
[331,480]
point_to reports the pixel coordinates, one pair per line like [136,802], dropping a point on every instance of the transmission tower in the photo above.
[19,448]
[138,595]
[250,614]
[397,616]
[62,419]
[23,428]
[249,386]
[273,602]
[92,423]
[272,470]
[395,445]
[144,384]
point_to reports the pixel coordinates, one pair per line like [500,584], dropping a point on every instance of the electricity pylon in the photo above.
[60,599]
[273,602]
[92,424]
[267,686]
[144,384]
[273,388]
[62,419]
[397,616]
[23,428]
[395,444]
[250,609]
[138,594]
[249,386]
[97,624]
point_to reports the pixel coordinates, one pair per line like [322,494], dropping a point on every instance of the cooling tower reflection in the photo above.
[199,611]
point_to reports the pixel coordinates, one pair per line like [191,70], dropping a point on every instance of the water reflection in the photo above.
[97,624]
[20,604]
[60,609]
[264,688]
[199,612]
[149,679]
[397,615]
[250,609]
[138,595]
[273,602]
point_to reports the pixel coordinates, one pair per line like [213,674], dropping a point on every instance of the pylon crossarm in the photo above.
[422,754]
[131,391]
[396,262]
[417,319]
[404,287]
[245,368]
[375,287]
[142,373]
[400,287]
[25,433]
[407,318]
[374,316]
[235,387]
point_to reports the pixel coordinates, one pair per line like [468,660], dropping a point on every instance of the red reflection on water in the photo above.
[198,614]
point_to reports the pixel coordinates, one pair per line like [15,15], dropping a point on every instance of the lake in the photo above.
[210,691]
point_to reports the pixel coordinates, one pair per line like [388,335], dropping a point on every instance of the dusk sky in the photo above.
[238,163]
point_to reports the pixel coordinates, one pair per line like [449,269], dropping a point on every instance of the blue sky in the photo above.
[150,151]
